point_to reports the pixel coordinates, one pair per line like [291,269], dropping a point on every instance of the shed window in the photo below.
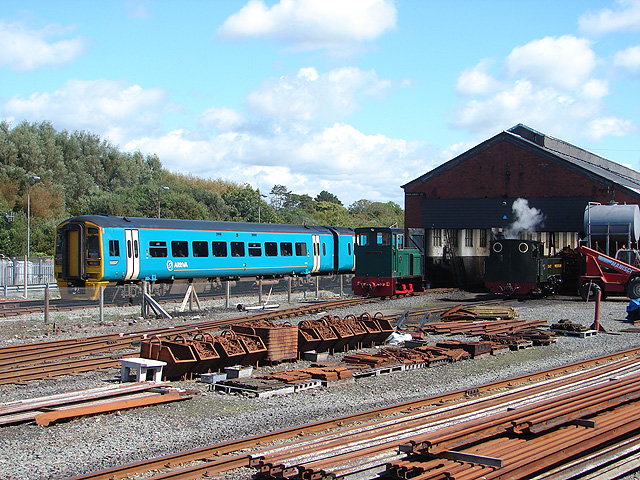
[437,237]
[157,249]
[237,249]
[271,249]
[468,237]
[180,248]
[483,237]
[200,249]
[219,249]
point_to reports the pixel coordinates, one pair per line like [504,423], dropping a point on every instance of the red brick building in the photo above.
[455,209]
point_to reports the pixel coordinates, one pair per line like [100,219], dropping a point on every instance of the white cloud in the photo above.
[312,24]
[310,96]
[476,80]
[628,59]
[106,107]
[565,62]
[222,119]
[339,158]
[625,17]
[25,50]
[605,126]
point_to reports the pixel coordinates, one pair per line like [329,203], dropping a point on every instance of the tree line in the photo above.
[58,174]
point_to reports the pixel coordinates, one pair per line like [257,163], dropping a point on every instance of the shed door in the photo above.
[316,253]
[133,254]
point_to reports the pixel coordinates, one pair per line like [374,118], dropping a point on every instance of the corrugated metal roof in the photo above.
[561,214]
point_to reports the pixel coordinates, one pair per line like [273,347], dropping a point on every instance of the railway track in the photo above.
[31,361]
[539,425]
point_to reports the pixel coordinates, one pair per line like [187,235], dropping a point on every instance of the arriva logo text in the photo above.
[180,265]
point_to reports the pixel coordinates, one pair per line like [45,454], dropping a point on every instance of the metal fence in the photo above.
[39,272]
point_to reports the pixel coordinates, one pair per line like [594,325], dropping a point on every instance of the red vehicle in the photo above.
[612,275]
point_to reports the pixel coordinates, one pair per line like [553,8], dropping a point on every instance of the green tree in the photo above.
[325,196]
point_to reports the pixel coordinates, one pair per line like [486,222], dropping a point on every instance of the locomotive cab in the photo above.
[384,267]
[78,259]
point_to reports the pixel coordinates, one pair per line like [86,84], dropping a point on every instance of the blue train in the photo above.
[95,250]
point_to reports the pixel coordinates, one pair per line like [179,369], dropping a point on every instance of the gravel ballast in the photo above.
[32,452]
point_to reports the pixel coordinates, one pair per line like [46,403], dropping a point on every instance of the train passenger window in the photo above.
[114,248]
[363,239]
[219,249]
[93,246]
[237,249]
[255,250]
[180,248]
[135,248]
[158,249]
[286,249]
[301,249]
[200,249]
[271,249]
[324,249]
[316,249]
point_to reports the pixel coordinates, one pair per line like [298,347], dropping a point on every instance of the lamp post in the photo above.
[263,196]
[26,258]
[160,191]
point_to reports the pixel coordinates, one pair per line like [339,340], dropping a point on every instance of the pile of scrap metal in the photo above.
[264,341]
[203,353]
[459,312]
[65,406]
[568,326]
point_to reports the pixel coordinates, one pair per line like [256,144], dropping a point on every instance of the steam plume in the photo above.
[527,219]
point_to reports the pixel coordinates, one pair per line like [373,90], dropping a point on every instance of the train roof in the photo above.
[109,221]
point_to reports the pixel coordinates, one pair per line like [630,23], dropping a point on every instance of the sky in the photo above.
[356,97]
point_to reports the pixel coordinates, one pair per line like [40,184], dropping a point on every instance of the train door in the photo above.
[73,258]
[316,253]
[133,254]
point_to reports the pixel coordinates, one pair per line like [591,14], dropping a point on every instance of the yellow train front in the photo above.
[78,267]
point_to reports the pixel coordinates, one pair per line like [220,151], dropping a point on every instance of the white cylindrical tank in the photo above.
[612,223]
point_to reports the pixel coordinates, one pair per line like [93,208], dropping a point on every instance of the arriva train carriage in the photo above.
[96,250]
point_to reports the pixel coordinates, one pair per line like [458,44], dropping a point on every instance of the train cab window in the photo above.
[219,249]
[200,249]
[349,249]
[180,248]
[237,249]
[400,240]
[301,249]
[271,249]
[255,250]
[158,249]
[324,249]
[383,238]
[59,246]
[93,246]
[286,249]
[114,248]
[363,239]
